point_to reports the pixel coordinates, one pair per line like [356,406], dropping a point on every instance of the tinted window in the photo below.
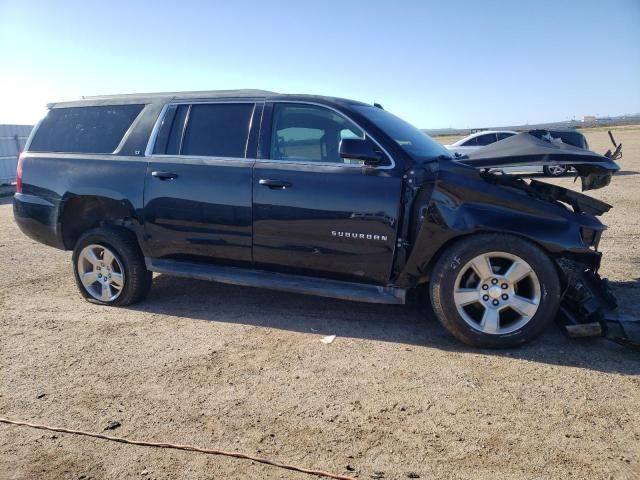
[162,136]
[218,130]
[309,133]
[486,139]
[176,130]
[472,142]
[503,135]
[84,129]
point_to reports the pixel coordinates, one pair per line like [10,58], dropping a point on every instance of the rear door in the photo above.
[314,212]
[197,199]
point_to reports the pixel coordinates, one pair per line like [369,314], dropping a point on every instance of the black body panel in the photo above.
[204,212]
[456,200]
[51,181]
[334,221]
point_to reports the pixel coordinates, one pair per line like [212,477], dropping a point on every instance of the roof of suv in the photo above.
[192,95]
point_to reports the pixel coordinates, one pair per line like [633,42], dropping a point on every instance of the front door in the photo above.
[197,197]
[314,212]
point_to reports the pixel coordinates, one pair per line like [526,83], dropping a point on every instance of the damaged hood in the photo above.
[595,170]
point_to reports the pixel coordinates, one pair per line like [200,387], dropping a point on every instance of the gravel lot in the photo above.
[394,396]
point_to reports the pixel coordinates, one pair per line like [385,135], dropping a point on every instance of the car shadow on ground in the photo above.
[406,324]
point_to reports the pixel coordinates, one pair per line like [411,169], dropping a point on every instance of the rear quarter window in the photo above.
[84,129]
[486,139]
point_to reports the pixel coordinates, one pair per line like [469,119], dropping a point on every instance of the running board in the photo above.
[279,281]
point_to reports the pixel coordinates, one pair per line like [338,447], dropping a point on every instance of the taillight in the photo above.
[19,173]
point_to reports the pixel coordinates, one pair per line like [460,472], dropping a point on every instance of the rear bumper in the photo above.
[38,219]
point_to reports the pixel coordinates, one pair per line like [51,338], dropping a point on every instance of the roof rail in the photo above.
[218,93]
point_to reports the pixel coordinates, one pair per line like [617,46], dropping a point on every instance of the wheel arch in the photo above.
[462,237]
[420,271]
[82,213]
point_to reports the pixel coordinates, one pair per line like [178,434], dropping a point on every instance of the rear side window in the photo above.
[487,139]
[84,129]
[503,135]
[217,130]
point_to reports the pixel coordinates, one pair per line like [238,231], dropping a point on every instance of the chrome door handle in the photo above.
[274,184]
[164,175]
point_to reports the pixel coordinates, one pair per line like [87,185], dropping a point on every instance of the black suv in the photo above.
[313,195]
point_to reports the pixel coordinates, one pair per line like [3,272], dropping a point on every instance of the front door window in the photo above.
[307,133]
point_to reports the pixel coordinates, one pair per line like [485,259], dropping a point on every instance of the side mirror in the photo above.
[359,149]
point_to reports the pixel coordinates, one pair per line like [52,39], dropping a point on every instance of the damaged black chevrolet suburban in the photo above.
[313,195]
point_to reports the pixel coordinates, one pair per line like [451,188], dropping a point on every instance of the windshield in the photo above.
[416,143]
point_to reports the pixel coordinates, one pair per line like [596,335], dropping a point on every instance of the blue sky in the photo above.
[435,63]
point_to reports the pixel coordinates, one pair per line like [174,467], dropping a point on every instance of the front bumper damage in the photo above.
[588,305]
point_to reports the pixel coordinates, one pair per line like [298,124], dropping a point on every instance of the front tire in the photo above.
[109,267]
[495,290]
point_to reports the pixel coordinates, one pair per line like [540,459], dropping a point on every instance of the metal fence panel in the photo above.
[12,140]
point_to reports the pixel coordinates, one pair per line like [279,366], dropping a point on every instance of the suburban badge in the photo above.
[360,236]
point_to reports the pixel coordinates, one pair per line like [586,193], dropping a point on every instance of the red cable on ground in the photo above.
[189,448]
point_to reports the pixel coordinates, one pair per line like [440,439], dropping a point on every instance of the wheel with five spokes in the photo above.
[495,290]
[109,267]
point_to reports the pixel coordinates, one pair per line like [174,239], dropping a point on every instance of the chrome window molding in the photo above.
[86,156]
[246,145]
[131,128]
[187,159]
[311,163]
[156,128]
[185,125]
[154,132]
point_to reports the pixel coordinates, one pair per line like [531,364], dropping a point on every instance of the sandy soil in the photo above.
[394,396]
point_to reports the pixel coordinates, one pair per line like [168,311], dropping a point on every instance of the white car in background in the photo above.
[477,140]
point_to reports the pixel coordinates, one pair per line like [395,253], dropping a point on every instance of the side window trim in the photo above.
[153,138]
[266,132]
[185,125]
[162,135]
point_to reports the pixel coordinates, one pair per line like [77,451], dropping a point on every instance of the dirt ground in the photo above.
[393,397]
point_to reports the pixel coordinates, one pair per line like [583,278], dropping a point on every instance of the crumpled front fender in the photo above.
[456,205]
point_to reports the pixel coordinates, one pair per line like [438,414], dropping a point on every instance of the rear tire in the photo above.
[495,290]
[109,267]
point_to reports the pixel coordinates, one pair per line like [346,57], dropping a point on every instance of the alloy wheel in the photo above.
[100,272]
[497,293]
